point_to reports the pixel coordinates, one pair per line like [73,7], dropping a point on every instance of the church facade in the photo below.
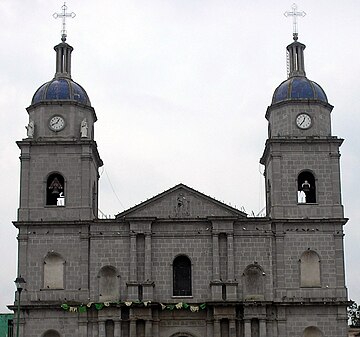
[181,264]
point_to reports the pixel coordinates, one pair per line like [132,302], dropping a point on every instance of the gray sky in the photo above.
[180,89]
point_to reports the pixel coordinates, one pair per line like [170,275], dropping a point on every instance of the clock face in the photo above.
[303,121]
[56,123]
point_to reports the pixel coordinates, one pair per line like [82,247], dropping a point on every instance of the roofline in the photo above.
[158,196]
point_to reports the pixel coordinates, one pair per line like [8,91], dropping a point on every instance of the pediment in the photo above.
[179,202]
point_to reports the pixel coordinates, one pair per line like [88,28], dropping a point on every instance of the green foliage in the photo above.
[354,314]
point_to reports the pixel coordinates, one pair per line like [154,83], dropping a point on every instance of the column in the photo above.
[209,328]
[230,250]
[148,328]
[132,328]
[216,265]
[280,264]
[217,328]
[262,328]
[133,257]
[84,259]
[83,328]
[247,328]
[339,260]
[155,323]
[101,325]
[232,328]
[117,328]
[148,275]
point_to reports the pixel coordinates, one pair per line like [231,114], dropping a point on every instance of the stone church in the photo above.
[181,264]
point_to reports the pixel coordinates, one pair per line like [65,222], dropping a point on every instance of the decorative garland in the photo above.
[99,306]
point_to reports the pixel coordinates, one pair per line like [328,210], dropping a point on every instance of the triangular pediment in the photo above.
[181,201]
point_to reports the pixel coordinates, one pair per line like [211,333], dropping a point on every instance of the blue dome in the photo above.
[298,88]
[60,89]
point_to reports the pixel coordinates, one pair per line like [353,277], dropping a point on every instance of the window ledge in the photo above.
[308,203]
[189,296]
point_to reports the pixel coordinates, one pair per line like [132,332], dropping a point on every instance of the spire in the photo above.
[295,49]
[63,60]
[63,50]
[296,59]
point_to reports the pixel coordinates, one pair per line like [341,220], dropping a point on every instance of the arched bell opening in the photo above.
[55,190]
[306,188]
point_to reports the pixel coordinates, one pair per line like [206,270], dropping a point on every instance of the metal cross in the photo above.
[63,16]
[295,14]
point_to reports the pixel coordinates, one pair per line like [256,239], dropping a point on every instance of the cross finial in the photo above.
[294,13]
[63,16]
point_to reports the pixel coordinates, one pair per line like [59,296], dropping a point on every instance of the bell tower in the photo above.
[301,156]
[59,156]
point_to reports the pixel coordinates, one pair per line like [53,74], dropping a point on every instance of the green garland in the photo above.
[99,306]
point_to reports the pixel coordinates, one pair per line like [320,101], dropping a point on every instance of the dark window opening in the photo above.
[255,328]
[140,292]
[224,327]
[109,328]
[125,313]
[182,276]
[55,189]
[306,188]
[223,292]
[140,328]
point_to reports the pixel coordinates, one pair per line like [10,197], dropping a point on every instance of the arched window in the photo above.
[253,282]
[54,271]
[310,269]
[306,188]
[55,190]
[108,284]
[51,333]
[312,331]
[182,276]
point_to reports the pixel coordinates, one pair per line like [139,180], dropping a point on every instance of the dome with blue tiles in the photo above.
[60,89]
[298,87]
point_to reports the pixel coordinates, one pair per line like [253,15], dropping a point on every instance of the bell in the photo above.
[55,186]
[305,186]
[55,190]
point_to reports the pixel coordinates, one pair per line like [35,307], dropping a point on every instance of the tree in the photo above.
[354,314]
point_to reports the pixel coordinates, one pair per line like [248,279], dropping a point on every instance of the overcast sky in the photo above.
[180,88]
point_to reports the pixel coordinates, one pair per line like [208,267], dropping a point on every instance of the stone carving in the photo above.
[182,207]
[30,129]
[84,129]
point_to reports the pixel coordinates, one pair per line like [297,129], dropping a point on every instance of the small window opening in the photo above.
[140,292]
[223,292]
[306,188]
[55,190]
